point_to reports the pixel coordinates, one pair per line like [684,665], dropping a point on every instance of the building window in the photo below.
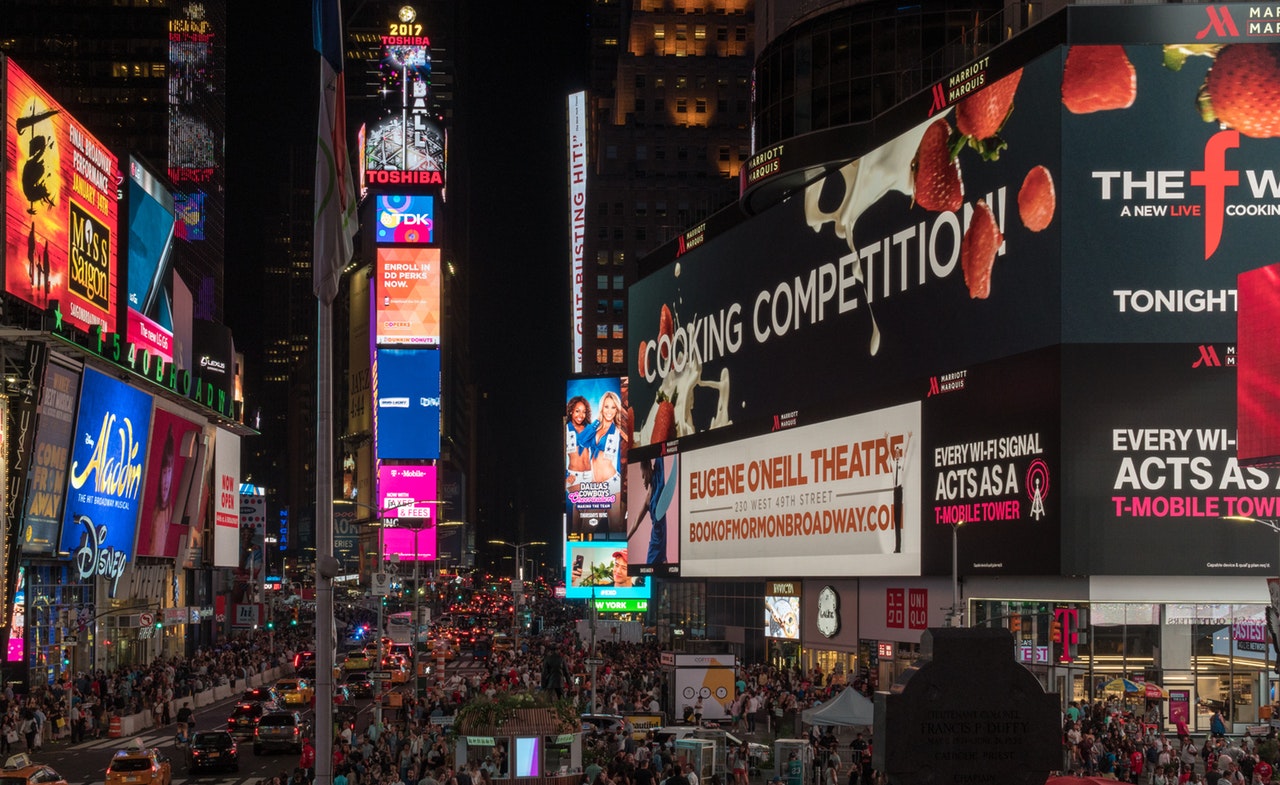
[682,82]
[660,153]
[618,332]
[619,258]
[617,233]
[641,209]
[619,283]
[602,210]
[742,153]
[639,105]
[724,152]
[722,104]
[602,356]
[659,32]
[700,82]
[640,80]
[642,152]
[682,153]
[659,105]
[682,33]
[700,32]
[659,81]
[602,282]
[640,234]
[611,152]
[618,357]
[602,257]
[660,209]
[602,307]
[617,209]
[739,33]
[602,332]
[722,34]
[603,233]
[682,105]
[700,105]
[619,306]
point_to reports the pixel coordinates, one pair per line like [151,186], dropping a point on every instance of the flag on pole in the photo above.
[335,215]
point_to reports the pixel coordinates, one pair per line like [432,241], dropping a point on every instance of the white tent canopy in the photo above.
[849,709]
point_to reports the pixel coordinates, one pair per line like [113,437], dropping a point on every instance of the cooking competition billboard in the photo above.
[108,453]
[1152,468]
[835,498]
[860,281]
[407,297]
[60,209]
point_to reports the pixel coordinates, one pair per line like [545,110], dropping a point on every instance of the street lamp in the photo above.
[517,596]
[957,616]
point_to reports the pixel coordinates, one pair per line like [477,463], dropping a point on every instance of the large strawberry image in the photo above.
[978,250]
[1037,199]
[667,327]
[1242,89]
[935,170]
[1098,78]
[981,116]
[664,421]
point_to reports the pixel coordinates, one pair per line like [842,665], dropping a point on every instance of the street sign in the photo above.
[145,619]
[380,585]
[70,640]
[380,675]
[594,661]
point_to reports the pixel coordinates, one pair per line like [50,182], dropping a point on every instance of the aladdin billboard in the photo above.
[60,208]
[104,493]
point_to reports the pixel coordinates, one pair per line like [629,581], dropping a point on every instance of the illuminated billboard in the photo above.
[598,570]
[47,473]
[836,497]
[407,403]
[60,214]
[173,440]
[1258,381]
[406,492]
[782,610]
[407,297]
[653,515]
[404,219]
[149,259]
[108,455]
[596,437]
[408,543]
[406,145]
[577,220]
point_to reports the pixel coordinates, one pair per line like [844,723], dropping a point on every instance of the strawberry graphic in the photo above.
[981,116]
[664,421]
[1242,89]
[640,364]
[1097,78]
[1036,199]
[978,250]
[667,327]
[935,171]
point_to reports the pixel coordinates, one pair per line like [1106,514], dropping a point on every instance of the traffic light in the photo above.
[271,625]
[66,658]
[1015,623]
[1055,631]
[159,625]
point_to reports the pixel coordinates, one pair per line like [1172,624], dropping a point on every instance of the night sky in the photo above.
[510,104]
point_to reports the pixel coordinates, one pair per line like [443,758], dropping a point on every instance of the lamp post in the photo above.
[1274,526]
[517,598]
[957,616]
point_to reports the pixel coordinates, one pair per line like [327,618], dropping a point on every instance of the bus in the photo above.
[400,626]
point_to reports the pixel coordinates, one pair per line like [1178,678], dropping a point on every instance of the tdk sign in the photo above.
[405,219]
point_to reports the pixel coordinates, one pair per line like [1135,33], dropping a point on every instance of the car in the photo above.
[303,658]
[344,702]
[359,684]
[279,730]
[212,749]
[265,695]
[295,692]
[19,770]
[243,719]
[604,723]
[502,642]
[139,766]
[442,648]
[359,661]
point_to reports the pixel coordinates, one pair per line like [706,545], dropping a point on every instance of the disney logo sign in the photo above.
[93,558]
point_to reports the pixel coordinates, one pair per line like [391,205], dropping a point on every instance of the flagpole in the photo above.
[325,643]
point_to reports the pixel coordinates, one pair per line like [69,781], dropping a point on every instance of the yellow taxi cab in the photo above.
[140,766]
[19,770]
[359,661]
[443,648]
[295,692]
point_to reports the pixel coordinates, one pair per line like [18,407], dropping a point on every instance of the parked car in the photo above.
[279,730]
[212,749]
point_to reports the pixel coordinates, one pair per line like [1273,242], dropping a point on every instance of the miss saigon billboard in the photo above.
[60,208]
